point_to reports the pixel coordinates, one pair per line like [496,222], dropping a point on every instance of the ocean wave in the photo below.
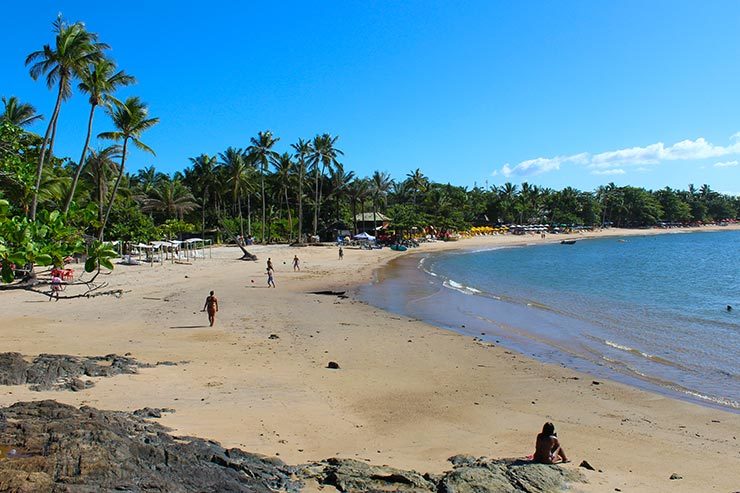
[451,284]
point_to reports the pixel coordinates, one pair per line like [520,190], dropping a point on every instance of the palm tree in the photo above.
[379,185]
[302,150]
[419,182]
[204,176]
[171,198]
[147,179]
[325,154]
[340,181]
[75,48]
[99,170]
[261,151]
[358,190]
[237,169]
[98,79]
[131,120]
[17,113]
[283,170]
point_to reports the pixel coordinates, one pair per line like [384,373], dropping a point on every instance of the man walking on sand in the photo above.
[296,263]
[211,307]
[270,279]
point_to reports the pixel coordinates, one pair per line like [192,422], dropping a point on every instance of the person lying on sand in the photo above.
[547,448]
[212,307]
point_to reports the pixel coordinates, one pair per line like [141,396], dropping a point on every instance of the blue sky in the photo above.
[575,93]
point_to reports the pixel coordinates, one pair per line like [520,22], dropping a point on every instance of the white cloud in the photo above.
[615,161]
[726,164]
[616,171]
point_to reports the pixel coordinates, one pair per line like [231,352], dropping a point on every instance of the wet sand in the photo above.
[407,394]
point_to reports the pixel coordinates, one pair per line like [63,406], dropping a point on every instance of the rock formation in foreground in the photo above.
[46,446]
[61,371]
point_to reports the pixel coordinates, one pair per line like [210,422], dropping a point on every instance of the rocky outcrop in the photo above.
[59,448]
[51,447]
[61,371]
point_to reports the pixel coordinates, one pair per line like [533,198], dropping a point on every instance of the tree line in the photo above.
[255,189]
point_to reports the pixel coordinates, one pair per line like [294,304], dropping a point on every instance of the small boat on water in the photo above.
[398,248]
[567,242]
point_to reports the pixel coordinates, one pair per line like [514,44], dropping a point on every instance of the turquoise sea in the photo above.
[649,311]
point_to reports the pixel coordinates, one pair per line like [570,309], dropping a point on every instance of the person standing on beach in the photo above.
[270,279]
[296,263]
[341,253]
[211,307]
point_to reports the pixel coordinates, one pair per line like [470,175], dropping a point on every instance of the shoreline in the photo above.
[406,404]
[404,287]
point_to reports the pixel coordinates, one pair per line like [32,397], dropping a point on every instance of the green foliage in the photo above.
[129,223]
[45,241]
[173,227]
[100,255]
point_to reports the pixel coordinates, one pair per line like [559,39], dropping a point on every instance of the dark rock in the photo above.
[595,382]
[584,464]
[62,448]
[675,476]
[353,475]
[152,412]
[274,336]
[463,460]
[333,365]
[61,371]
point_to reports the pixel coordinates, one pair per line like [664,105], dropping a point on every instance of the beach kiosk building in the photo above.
[367,222]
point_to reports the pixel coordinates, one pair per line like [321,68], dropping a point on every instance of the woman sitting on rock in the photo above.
[547,448]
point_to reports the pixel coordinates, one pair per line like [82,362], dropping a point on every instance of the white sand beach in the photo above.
[407,394]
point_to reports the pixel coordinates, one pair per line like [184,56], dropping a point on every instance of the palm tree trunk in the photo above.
[81,163]
[354,216]
[203,224]
[241,218]
[375,215]
[249,214]
[264,216]
[316,203]
[290,217]
[300,203]
[115,190]
[362,212]
[42,157]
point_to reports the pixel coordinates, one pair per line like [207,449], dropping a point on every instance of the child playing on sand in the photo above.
[212,307]
[341,253]
[547,447]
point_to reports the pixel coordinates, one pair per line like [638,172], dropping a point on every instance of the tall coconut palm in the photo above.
[17,113]
[261,151]
[98,79]
[302,150]
[324,153]
[357,192]
[340,181]
[284,167]
[74,49]
[131,119]
[204,177]
[380,183]
[419,182]
[236,166]
[99,170]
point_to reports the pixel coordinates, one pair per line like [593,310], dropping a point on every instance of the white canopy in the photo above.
[364,236]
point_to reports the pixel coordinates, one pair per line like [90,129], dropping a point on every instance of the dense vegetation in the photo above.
[261,187]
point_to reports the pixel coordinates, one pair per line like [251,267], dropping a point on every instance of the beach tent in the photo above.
[364,236]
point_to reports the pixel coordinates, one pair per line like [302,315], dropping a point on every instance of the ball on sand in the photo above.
[252,281]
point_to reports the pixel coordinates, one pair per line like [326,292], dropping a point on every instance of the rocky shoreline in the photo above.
[46,446]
